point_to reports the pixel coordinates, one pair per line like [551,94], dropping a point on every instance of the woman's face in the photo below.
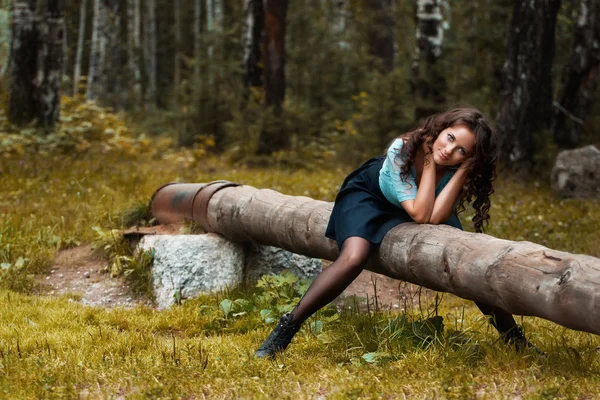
[453,145]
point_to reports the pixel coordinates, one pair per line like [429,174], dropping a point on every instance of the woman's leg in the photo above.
[328,285]
[332,281]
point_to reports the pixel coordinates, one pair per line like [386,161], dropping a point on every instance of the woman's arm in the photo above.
[421,208]
[444,203]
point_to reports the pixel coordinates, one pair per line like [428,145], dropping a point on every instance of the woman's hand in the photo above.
[467,165]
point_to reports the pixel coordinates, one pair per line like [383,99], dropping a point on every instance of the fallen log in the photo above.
[520,277]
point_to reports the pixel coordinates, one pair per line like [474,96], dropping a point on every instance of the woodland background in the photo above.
[311,79]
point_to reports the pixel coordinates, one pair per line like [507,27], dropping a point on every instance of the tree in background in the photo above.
[428,82]
[80,43]
[150,54]
[37,62]
[526,105]
[381,34]
[252,36]
[134,50]
[580,76]
[274,138]
[104,64]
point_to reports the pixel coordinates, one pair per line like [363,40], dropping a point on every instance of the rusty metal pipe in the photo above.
[183,202]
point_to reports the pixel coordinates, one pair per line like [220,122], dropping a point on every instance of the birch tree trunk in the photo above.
[252,35]
[580,76]
[338,26]
[526,105]
[80,42]
[150,53]
[50,67]
[428,82]
[274,61]
[134,49]
[21,102]
[104,56]
[5,39]
[381,39]
[520,277]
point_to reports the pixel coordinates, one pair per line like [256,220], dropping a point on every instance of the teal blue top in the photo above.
[393,188]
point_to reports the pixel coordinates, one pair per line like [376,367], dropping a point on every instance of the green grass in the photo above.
[57,348]
[53,348]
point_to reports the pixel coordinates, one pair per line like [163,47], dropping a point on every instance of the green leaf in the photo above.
[243,304]
[316,326]
[374,357]
[226,306]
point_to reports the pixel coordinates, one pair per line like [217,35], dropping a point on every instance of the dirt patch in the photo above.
[376,291]
[79,273]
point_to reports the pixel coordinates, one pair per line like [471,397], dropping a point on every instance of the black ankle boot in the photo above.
[280,338]
[516,337]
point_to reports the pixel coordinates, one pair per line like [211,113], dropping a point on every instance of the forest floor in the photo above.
[82,275]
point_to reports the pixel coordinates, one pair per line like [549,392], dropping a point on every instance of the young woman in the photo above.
[425,176]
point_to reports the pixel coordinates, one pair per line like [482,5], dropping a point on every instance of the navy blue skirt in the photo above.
[362,210]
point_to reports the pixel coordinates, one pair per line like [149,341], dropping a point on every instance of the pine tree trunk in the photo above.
[177,53]
[580,76]
[51,34]
[428,82]
[197,44]
[97,53]
[150,53]
[526,105]
[519,277]
[134,49]
[274,138]
[381,39]
[210,29]
[80,42]
[252,36]
[22,104]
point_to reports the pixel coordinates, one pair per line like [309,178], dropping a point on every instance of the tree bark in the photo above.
[37,62]
[80,42]
[252,35]
[177,53]
[274,138]
[381,39]
[428,82]
[51,34]
[134,49]
[520,277]
[150,53]
[526,105]
[210,29]
[5,39]
[21,104]
[580,76]
[197,44]
[97,52]
[104,56]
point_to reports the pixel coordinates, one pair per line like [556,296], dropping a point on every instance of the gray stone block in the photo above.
[576,173]
[191,264]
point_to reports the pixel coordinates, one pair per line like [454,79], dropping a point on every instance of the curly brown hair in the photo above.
[478,185]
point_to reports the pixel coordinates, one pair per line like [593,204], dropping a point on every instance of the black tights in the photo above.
[333,280]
